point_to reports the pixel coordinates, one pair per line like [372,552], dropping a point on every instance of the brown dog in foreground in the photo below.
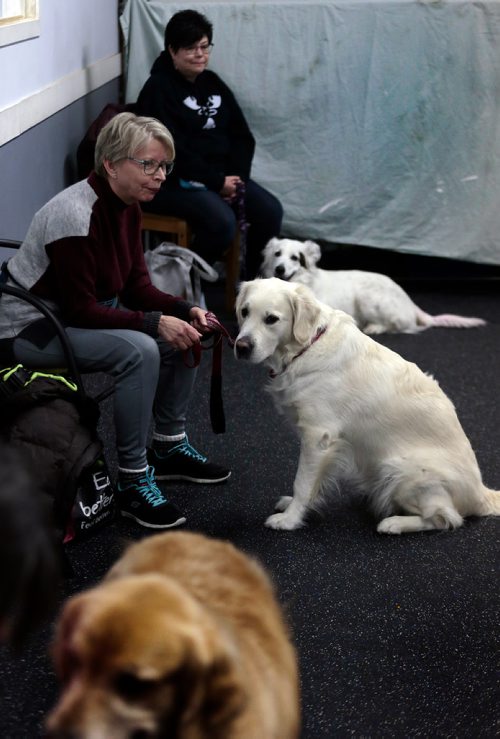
[183,639]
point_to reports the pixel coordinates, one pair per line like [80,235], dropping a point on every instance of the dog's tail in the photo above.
[490,504]
[447,320]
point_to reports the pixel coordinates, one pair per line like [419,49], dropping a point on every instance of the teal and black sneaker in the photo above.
[183,462]
[142,500]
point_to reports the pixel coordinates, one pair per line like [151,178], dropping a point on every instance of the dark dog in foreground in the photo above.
[30,563]
[365,415]
[183,639]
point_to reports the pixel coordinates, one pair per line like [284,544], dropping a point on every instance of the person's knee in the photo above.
[272,209]
[139,352]
[274,217]
[145,350]
[212,241]
[278,211]
[264,211]
[221,228]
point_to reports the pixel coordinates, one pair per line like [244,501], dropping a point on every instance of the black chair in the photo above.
[71,369]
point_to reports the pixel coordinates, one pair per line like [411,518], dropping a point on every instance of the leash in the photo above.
[218,332]
[319,333]
[238,205]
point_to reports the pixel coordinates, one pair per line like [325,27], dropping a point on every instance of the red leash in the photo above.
[217,332]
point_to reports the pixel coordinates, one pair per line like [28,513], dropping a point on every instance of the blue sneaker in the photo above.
[183,462]
[143,501]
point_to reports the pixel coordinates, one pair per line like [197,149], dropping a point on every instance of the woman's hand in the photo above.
[229,187]
[198,318]
[180,334]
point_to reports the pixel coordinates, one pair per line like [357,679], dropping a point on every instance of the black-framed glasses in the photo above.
[151,166]
[205,48]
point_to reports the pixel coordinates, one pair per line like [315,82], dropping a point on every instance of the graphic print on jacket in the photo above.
[209,109]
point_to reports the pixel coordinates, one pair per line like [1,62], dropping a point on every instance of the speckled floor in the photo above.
[397,637]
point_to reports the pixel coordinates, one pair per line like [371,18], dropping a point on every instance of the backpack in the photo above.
[53,426]
[86,148]
[178,271]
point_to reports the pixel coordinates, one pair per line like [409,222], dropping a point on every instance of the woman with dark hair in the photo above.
[214,146]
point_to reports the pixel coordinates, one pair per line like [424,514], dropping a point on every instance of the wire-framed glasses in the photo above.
[205,48]
[151,166]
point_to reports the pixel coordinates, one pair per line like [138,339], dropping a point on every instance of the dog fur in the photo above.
[183,639]
[377,303]
[364,415]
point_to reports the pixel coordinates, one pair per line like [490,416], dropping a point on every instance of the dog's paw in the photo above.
[283,521]
[372,329]
[283,503]
[391,525]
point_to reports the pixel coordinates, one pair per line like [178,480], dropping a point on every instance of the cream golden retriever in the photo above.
[364,414]
[183,639]
[375,301]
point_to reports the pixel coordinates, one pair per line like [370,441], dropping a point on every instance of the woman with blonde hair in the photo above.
[83,256]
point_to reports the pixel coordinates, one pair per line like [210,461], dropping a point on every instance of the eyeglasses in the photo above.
[151,166]
[191,50]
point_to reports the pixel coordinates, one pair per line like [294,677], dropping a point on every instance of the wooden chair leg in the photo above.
[184,235]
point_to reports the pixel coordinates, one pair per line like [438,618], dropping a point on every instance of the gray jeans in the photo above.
[150,379]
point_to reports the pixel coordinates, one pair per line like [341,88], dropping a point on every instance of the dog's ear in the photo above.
[210,685]
[241,296]
[225,696]
[62,656]
[305,313]
[271,244]
[267,257]
[312,252]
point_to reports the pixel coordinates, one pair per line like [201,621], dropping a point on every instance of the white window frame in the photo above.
[21,28]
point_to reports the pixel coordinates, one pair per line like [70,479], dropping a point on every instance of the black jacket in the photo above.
[212,138]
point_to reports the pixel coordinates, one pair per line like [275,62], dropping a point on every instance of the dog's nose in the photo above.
[279,271]
[243,347]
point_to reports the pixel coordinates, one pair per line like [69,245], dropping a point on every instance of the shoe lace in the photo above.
[147,487]
[184,447]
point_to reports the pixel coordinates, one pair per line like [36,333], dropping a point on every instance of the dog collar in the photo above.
[319,333]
